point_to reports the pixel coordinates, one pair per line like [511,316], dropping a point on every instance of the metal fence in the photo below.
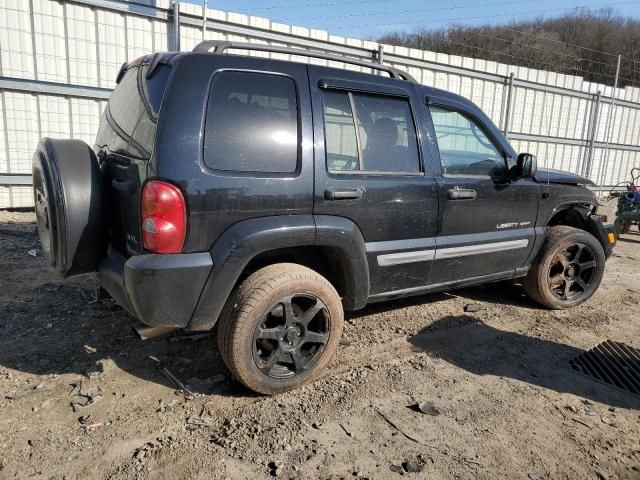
[59,59]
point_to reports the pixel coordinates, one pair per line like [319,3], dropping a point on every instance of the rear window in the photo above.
[252,123]
[129,122]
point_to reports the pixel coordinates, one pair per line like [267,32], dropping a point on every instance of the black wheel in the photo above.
[69,204]
[568,269]
[280,328]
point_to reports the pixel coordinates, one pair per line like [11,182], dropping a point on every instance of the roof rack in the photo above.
[221,46]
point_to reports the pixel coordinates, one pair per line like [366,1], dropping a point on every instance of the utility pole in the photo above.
[607,131]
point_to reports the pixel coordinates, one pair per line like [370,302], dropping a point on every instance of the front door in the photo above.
[370,169]
[487,221]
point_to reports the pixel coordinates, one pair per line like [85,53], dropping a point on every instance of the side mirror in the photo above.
[526,166]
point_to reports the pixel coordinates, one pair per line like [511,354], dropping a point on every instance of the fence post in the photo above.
[378,57]
[175,14]
[610,119]
[204,19]
[507,114]
[594,123]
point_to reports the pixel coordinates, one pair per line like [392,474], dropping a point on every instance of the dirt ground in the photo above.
[82,397]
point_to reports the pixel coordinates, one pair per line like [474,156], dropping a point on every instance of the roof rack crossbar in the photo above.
[218,46]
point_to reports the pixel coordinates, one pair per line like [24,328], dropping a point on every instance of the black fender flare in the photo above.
[583,206]
[595,227]
[592,222]
[242,242]
[345,236]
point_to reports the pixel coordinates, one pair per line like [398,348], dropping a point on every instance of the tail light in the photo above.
[164,217]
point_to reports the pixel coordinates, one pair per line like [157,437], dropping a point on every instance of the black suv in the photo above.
[265,197]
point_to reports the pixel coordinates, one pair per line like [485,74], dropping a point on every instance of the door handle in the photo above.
[343,193]
[462,194]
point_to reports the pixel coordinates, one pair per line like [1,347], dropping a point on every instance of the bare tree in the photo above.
[583,42]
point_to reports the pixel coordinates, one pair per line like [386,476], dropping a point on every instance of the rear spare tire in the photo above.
[70,205]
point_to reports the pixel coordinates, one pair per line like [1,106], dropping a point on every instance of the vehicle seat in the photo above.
[382,152]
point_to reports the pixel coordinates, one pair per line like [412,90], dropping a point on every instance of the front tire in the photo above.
[568,269]
[280,328]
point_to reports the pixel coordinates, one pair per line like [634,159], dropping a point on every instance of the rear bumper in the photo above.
[159,290]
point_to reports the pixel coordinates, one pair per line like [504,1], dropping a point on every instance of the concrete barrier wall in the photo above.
[59,59]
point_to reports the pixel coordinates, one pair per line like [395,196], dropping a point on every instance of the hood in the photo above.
[558,176]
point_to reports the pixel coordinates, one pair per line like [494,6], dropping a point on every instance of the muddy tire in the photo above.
[70,205]
[568,269]
[280,328]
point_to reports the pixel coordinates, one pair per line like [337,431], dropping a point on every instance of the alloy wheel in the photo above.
[291,336]
[572,271]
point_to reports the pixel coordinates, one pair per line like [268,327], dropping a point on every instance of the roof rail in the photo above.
[219,46]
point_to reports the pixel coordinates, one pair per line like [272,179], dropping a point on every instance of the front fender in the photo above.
[594,225]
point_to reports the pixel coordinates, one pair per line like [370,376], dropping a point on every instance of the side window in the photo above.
[369,133]
[252,123]
[464,147]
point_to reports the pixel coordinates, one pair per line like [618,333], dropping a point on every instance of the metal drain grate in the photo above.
[613,363]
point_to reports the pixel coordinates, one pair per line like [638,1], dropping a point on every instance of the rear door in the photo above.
[370,168]
[487,221]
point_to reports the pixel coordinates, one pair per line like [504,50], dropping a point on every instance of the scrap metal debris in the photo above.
[426,407]
[612,363]
[89,396]
[409,466]
[178,384]
[25,393]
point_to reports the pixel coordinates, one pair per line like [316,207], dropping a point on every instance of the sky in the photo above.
[372,18]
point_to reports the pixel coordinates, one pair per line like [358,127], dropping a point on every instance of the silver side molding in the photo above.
[405,257]
[454,252]
[450,252]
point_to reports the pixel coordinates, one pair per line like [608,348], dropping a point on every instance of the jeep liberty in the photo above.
[266,197]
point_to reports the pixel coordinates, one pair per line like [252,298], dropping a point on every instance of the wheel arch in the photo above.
[571,214]
[332,246]
[580,215]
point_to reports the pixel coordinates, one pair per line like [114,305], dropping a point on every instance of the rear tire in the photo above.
[568,269]
[280,328]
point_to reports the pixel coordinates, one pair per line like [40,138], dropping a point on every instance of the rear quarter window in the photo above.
[128,124]
[252,123]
